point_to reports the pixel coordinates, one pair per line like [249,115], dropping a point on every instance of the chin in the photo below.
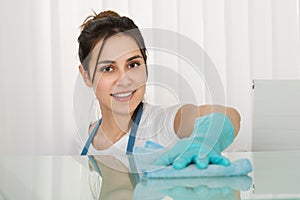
[124,108]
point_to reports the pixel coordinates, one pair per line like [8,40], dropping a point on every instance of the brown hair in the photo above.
[102,26]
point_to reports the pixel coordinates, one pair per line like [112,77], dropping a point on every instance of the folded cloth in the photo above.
[145,156]
[237,168]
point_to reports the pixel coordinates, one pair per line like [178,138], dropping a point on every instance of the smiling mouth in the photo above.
[125,96]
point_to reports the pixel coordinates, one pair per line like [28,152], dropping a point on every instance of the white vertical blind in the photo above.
[246,40]
[285,21]
[238,67]
[260,38]
[189,17]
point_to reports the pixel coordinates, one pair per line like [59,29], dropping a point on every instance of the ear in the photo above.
[85,75]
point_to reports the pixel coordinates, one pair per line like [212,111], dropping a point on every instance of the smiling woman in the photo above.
[120,75]
[114,63]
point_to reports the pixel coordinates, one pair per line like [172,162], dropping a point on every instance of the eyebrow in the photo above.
[112,62]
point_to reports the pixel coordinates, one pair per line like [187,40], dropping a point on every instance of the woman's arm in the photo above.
[186,115]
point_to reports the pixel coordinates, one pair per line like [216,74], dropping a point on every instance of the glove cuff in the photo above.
[215,129]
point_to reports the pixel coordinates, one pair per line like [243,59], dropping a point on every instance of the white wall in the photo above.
[246,40]
[276,115]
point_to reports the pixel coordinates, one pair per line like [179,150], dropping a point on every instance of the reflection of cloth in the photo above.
[156,125]
[192,188]
[235,182]
[146,155]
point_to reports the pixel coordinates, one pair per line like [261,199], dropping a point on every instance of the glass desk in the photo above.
[276,175]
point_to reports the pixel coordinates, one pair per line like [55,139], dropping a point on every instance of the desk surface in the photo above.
[276,175]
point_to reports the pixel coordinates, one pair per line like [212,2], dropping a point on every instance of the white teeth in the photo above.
[122,95]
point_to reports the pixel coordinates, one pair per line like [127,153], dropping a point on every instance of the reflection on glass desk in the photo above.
[276,175]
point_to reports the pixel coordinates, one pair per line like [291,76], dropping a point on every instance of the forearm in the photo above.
[185,117]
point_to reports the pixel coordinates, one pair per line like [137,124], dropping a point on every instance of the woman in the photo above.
[114,63]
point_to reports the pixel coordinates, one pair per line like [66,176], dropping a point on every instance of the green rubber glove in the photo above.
[211,135]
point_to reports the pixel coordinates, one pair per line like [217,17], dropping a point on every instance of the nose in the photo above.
[124,79]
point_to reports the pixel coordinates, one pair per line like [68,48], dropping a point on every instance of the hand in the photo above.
[211,135]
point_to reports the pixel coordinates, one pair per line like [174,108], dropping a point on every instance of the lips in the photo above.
[123,96]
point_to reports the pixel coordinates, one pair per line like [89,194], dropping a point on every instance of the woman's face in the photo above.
[120,75]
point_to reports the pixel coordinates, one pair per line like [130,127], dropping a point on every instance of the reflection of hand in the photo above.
[211,135]
[199,192]
[192,188]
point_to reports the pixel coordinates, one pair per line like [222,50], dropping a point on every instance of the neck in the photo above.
[114,126]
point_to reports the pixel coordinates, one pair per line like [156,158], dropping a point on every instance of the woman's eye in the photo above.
[106,69]
[133,65]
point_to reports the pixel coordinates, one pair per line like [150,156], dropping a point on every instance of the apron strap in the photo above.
[132,136]
[89,141]
[134,128]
